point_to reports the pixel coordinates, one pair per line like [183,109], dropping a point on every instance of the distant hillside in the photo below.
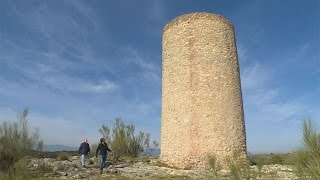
[153,153]
[59,147]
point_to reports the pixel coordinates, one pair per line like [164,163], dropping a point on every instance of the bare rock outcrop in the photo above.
[71,169]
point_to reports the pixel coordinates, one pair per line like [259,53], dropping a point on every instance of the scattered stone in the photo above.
[71,169]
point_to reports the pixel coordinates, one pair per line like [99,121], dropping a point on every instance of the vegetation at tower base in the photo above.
[17,141]
[124,141]
[305,161]
[307,158]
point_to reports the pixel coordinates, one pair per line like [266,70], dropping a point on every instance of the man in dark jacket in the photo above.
[103,148]
[84,150]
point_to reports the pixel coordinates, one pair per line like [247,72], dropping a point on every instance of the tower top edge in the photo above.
[195,16]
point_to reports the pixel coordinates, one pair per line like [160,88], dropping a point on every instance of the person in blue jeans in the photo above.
[84,150]
[102,148]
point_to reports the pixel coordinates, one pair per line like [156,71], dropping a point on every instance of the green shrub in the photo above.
[16,141]
[18,172]
[290,158]
[93,148]
[277,159]
[63,156]
[213,166]
[307,158]
[123,140]
[240,169]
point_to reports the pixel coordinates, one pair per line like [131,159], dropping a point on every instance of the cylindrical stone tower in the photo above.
[202,111]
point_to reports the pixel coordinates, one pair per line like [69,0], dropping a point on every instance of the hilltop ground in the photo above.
[68,167]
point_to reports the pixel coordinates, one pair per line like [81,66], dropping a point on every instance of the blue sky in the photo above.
[79,64]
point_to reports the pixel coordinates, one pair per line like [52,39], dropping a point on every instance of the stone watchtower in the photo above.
[202,112]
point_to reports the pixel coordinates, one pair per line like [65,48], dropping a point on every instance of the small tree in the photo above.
[150,149]
[123,140]
[155,144]
[16,140]
[105,132]
[93,148]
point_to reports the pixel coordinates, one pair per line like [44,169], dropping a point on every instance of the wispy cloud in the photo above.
[101,87]
[76,18]
[148,69]
[263,99]
[85,10]
[255,75]
[270,111]
[131,55]
[242,54]
[157,10]
[56,75]
[69,132]
[66,52]
[51,65]
[77,66]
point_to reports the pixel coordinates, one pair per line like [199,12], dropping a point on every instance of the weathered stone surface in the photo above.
[143,170]
[202,111]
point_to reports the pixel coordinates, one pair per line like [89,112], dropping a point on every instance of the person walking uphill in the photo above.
[84,150]
[103,148]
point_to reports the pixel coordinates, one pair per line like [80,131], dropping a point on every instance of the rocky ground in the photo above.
[147,169]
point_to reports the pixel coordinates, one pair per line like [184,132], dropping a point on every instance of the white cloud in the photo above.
[52,69]
[131,55]
[46,74]
[67,51]
[242,54]
[263,100]
[140,106]
[54,130]
[150,71]
[255,76]
[101,87]
[151,76]
[76,18]
[86,11]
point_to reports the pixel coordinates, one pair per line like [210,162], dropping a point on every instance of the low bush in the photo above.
[277,159]
[17,141]
[213,166]
[307,156]
[18,171]
[123,140]
[240,169]
[62,156]
[93,148]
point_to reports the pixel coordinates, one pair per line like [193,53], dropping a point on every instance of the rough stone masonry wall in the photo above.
[202,111]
